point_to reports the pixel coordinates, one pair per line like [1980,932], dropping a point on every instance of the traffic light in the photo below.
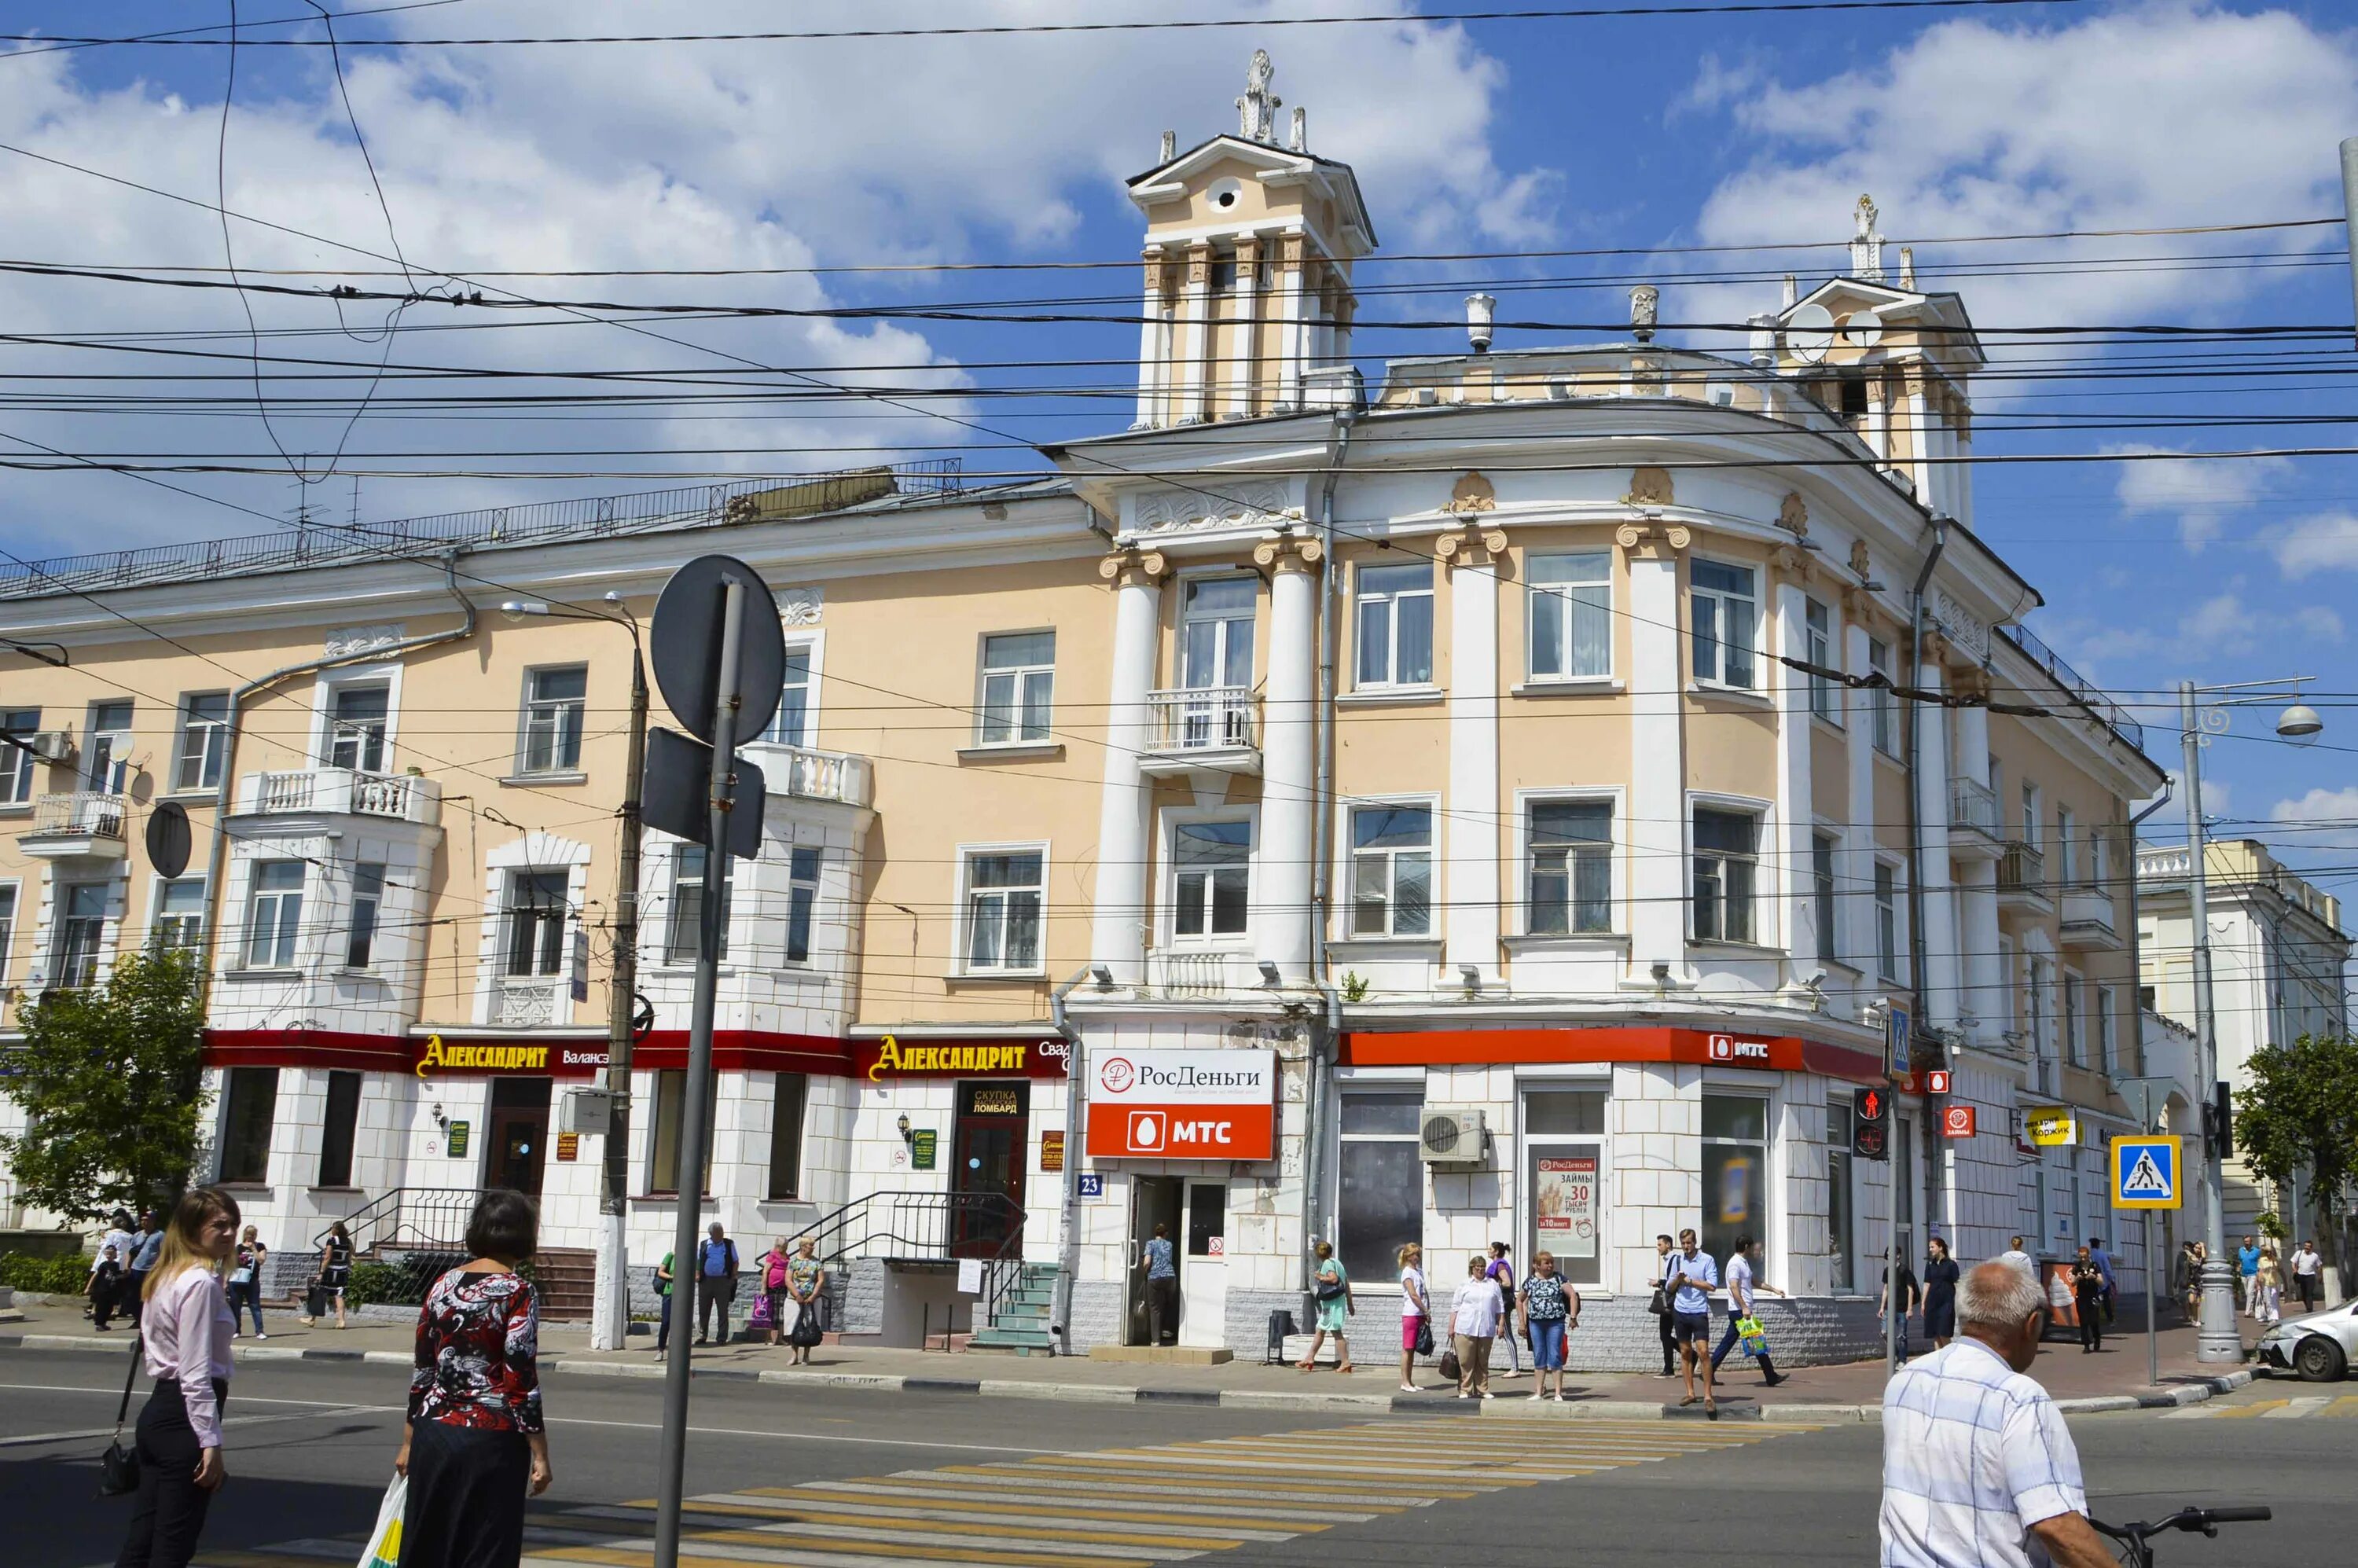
[2221,1117]
[1870,1124]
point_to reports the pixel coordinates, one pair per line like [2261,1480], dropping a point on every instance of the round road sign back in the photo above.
[685,644]
[167,839]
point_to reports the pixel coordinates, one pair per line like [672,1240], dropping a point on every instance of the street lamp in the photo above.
[610,1321]
[2203,712]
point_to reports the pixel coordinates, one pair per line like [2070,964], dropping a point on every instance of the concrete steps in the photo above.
[1019,1325]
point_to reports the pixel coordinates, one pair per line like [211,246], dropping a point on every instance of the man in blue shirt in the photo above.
[2103,1262]
[1690,1277]
[716,1282]
[2247,1269]
[1161,1285]
[148,1244]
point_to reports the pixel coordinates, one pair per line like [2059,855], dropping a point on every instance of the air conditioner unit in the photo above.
[51,745]
[1452,1138]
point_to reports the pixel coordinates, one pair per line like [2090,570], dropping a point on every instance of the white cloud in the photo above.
[2201,492]
[2323,819]
[2328,542]
[2219,624]
[2171,823]
[2316,620]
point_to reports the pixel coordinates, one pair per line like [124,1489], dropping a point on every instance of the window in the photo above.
[1563,1182]
[1725,609]
[1381,1204]
[106,762]
[2098,862]
[1818,647]
[554,703]
[683,939]
[1841,1210]
[802,899]
[2106,1051]
[2075,1046]
[250,1101]
[2031,814]
[786,1137]
[1391,871]
[16,764]
[1216,635]
[536,911]
[274,911]
[7,925]
[1395,614]
[356,728]
[1821,894]
[1572,616]
[1887,921]
[1726,861]
[1570,873]
[179,913]
[82,926]
[1211,865]
[1003,896]
[795,721]
[2066,850]
[368,900]
[1883,709]
[1734,1170]
[1019,683]
[671,1102]
[204,741]
[336,1137]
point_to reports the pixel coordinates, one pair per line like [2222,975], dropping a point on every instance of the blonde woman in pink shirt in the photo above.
[184,1329]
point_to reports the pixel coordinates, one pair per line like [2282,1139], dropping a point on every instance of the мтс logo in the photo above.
[1146,1129]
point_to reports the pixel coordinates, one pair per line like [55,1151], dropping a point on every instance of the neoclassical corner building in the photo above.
[1511,794]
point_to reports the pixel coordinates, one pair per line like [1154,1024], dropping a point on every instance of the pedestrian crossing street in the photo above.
[1115,1508]
[2297,1408]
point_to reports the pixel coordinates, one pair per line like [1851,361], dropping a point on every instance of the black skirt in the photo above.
[466,1496]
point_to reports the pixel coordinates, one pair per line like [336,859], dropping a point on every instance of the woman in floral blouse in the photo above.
[475,1441]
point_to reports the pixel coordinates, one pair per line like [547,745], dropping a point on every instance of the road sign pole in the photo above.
[694,1129]
[2152,1322]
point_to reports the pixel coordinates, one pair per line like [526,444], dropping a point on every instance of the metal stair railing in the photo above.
[426,1225]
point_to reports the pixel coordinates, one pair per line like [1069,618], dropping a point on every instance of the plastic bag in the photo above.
[1751,1336]
[384,1549]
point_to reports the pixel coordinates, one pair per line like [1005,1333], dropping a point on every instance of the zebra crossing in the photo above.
[1115,1508]
[2298,1407]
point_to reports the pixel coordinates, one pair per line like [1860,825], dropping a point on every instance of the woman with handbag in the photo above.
[1332,1288]
[185,1324]
[475,1441]
[1551,1309]
[806,1285]
[773,1287]
[335,1274]
[1474,1322]
[1416,1315]
[245,1281]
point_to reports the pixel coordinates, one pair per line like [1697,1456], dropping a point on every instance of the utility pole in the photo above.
[2349,215]
[612,1314]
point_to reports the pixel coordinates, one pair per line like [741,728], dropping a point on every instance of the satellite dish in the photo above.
[1862,329]
[1809,331]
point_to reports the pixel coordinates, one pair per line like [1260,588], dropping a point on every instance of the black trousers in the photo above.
[1162,1309]
[1670,1346]
[713,1294]
[465,1507]
[2091,1322]
[169,1510]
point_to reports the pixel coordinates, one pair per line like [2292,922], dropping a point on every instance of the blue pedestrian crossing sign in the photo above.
[2145,1172]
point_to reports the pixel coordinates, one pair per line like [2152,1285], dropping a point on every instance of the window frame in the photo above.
[159,890]
[1883,731]
[1352,854]
[1347,1139]
[12,906]
[780,1123]
[2107,1013]
[683,939]
[1184,634]
[538,929]
[1759,1227]
[361,935]
[331,734]
[1719,598]
[1821,644]
[238,1085]
[1761,906]
[1842,1201]
[285,920]
[1395,602]
[203,740]
[18,769]
[1888,893]
[1020,677]
[2071,1034]
[339,1142]
[1825,892]
[966,925]
[564,739]
[812,648]
[103,764]
[1526,854]
[64,951]
[1209,938]
[1565,592]
[802,900]
[2067,853]
[669,1095]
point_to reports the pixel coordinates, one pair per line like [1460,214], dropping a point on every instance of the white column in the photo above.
[1239,378]
[1919,437]
[1964,480]
[1937,987]
[1289,760]
[1795,811]
[1152,346]
[1983,968]
[1289,323]
[1854,899]
[1655,825]
[1195,336]
[1878,417]
[1118,933]
[1470,878]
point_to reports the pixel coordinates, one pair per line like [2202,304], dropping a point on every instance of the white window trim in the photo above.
[1520,850]
[2107,1017]
[1345,870]
[1836,658]
[1902,945]
[1766,902]
[2071,1016]
[180,728]
[962,925]
[1180,619]
[1525,1085]
[304,911]
[523,721]
[155,886]
[1166,920]
[1431,593]
[343,953]
[387,674]
[2067,853]
[1611,676]
[981,680]
[809,962]
[814,643]
[15,924]
[1838,952]
[1882,700]
[1759,628]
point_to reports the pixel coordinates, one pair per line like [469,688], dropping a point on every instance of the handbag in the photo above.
[810,1324]
[1449,1367]
[118,1467]
[1424,1337]
[1660,1306]
[384,1549]
[1330,1288]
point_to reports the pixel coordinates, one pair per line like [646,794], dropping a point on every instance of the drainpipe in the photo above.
[1910,742]
[223,792]
[2137,1018]
[1322,1050]
[1076,1093]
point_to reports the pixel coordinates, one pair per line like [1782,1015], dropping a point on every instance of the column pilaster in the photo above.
[1154,346]
[1795,812]
[1656,817]
[1118,930]
[1282,920]
[1938,984]
[1983,998]
[1855,875]
[1474,558]
[1242,373]
[1195,336]
[1291,294]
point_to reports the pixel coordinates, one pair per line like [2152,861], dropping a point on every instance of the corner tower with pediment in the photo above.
[1250,246]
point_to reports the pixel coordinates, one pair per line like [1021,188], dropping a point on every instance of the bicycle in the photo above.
[2207,1520]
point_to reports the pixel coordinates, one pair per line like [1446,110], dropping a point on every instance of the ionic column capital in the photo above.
[1290,552]
[1471,545]
[1652,541]
[1130,567]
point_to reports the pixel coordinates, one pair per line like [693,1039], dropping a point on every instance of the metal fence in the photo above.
[2083,691]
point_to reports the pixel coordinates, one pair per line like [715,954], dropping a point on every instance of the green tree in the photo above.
[2300,1113]
[112,1081]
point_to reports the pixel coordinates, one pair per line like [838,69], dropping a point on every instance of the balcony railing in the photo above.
[83,813]
[1973,805]
[1205,719]
[2022,868]
[522,1001]
[404,798]
[2089,696]
[839,776]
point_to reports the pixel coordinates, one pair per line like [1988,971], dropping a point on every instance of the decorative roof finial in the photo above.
[1257,109]
[1170,145]
[1301,131]
[1865,245]
[1908,268]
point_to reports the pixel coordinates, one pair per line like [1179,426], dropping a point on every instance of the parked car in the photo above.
[2320,1348]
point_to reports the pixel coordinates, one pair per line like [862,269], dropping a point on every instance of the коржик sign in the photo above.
[1182,1105]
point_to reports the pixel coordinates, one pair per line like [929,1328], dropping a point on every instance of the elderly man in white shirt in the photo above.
[1978,1469]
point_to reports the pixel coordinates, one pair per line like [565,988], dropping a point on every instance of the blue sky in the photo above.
[1512,138]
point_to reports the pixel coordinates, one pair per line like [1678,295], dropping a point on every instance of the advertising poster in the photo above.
[1565,1205]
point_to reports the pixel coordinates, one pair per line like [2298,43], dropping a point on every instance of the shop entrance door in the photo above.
[515,1150]
[988,1149]
[1204,1273]
[1154,1200]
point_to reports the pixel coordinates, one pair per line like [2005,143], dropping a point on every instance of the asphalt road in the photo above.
[840,1478]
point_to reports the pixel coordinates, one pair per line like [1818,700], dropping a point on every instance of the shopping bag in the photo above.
[1449,1367]
[384,1542]
[760,1318]
[810,1324]
[1751,1336]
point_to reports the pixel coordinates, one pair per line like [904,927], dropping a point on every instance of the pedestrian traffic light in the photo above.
[1870,1124]
[2220,1115]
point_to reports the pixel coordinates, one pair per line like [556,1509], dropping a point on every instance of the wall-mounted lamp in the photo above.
[904,1125]
[1103,976]
[440,1120]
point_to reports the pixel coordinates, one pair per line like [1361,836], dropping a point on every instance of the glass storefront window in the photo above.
[1842,1216]
[1734,1172]
[1563,1185]
[1382,1200]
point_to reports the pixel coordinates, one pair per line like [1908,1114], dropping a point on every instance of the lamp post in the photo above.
[2203,712]
[610,1319]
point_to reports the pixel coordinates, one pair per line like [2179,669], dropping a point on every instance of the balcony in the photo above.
[1973,820]
[342,792]
[2022,881]
[836,776]
[1202,730]
[2089,922]
[85,824]
[524,1000]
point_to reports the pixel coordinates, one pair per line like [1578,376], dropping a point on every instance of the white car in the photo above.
[2320,1348]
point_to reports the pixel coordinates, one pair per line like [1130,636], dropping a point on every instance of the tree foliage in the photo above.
[2299,1112]
[112,1081]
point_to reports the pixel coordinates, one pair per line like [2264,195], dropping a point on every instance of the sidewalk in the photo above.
[2110,1380]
